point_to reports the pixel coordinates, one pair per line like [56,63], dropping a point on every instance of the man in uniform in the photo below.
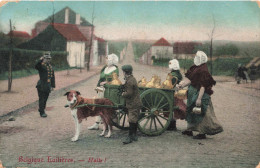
[133,102]
[46,83]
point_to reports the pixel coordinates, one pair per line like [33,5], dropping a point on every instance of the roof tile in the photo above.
[69,31]
[162,42]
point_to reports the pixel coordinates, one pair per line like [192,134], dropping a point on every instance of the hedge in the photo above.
[140,48]
[116,47]
[221,66]
[26,59]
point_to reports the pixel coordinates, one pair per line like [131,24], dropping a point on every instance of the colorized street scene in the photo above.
[178,82]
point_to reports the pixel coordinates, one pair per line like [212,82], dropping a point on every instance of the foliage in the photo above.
[161,62]
[5,40]
[116,47]
[221,66]
[229,49]
[48,40]
[140,48]
[25,59]
[204,47]
[228,66]
[26,72]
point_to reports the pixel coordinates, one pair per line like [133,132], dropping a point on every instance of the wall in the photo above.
[146,57]
[162,51]
[95,53]
[86,31]
[183,56]
[107,49]
[76,57]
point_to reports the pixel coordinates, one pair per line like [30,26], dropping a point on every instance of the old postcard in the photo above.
[129,84]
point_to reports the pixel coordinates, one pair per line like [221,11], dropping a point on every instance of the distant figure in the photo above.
[242,73]
[46,83]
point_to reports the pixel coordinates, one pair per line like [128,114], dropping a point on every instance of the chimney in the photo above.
[77,19]
[66,16]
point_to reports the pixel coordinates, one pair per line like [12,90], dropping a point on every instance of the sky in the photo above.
[173,20]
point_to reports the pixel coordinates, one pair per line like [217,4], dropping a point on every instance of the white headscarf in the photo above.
[112,59]
[174,64]
[200,58]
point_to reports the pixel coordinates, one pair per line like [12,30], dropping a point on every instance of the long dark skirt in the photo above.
[181,112]
[209,125]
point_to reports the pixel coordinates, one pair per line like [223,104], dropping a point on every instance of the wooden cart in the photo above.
[156,112]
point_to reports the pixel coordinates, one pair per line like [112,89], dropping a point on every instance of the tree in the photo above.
[91,36]
[229,49]
[4,40]
[204,47]
[10,77]
[211,36]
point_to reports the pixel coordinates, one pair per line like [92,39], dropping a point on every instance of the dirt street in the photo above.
[32,141]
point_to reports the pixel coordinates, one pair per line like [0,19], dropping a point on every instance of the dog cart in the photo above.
[156,112]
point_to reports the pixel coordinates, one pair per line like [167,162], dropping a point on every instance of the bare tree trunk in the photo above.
[10,59]
[211,45]
[68,68]
[211,53]
[91,38]
[80,60]
[185,63]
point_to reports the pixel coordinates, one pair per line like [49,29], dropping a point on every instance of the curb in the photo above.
[54,94]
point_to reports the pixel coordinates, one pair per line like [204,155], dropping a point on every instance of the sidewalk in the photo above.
[24,91]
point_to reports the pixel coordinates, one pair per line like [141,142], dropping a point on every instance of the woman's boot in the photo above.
[200,136]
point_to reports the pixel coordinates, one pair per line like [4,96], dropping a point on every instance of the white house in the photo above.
[160,49]
[75,43]
[100,50]
[69,17]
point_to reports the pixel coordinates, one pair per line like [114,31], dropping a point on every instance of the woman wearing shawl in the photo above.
[200,84]
[105,76]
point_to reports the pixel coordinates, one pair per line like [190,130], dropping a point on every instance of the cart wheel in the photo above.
[156,112]
[122,119]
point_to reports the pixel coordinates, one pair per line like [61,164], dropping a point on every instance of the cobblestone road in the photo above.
[49,138]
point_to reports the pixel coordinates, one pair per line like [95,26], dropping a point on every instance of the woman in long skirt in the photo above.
[200,82]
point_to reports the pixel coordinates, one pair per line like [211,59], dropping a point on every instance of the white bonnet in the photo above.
[174,64]
[200,58]
[113,58]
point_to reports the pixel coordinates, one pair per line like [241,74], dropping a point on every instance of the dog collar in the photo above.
[77,103]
